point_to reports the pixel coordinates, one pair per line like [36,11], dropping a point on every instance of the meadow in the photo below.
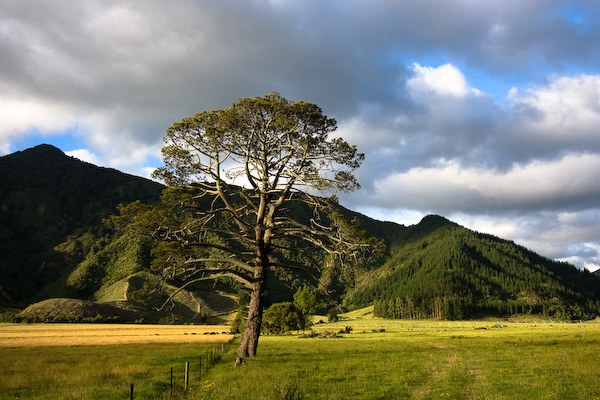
[377,359]
[101,361]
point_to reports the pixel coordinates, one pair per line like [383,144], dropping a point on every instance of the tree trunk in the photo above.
[249,340]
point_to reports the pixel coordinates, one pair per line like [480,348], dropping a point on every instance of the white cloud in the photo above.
[566,111]
[85,155]
[22,114]
[571,182]
[445,80]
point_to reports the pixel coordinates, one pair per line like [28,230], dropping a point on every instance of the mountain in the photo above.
[438,269]
[52,207]
[65,265]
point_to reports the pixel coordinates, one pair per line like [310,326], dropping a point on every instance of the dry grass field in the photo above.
[45,335]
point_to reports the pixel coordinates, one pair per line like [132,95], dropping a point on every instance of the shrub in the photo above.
[281,317]
[239,322]
[7,317]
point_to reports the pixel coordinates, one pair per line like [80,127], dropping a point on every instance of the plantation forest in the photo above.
[459,274]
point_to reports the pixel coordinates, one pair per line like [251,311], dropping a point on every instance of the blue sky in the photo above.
[486,112]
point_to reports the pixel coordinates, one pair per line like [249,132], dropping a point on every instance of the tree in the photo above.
[305,300]
[233,174]
[281,317]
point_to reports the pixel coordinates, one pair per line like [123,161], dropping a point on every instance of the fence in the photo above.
[211,358]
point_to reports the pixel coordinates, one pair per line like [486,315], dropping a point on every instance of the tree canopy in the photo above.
[274,145]
[281,317]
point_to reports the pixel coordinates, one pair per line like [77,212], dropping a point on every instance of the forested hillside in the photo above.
[55,245]
[444,271]
[51,214]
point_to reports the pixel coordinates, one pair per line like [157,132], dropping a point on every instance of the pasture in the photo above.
[378,359]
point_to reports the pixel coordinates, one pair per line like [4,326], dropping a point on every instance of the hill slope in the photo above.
[438,269]
[51,214]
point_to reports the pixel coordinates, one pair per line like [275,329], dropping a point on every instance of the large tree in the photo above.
[232,175]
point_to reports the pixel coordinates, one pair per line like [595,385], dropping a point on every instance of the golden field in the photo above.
[44,335]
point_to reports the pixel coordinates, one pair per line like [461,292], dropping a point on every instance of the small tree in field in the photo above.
[281,317]
[305,300]
[231,174]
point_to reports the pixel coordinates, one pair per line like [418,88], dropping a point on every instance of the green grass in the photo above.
[519,361]
[410,360]
[98,372]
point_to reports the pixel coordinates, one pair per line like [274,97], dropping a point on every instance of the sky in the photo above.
[485,112]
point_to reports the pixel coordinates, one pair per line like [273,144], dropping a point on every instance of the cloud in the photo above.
[442,82]
[423,88]
[85,155]
[449,120]
[21,115]
[563,115]
[569,183]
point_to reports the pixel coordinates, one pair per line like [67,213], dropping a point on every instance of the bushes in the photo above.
[239,322]
[281,317]
[7,317]
[286,316]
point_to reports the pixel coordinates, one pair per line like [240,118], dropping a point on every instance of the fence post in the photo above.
[187,374]
[131,392]
[171,392]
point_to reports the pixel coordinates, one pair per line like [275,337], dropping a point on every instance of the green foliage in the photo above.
[62,310]
[151,292]
[269,139]
[7,317]
[281,149]
[173,319]
[305,300]
[333,315]
[281,317]
[239,322]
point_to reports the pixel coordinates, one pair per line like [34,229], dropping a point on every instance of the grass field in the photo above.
[101,361]
[97,372]
[425,360]
[379,359]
